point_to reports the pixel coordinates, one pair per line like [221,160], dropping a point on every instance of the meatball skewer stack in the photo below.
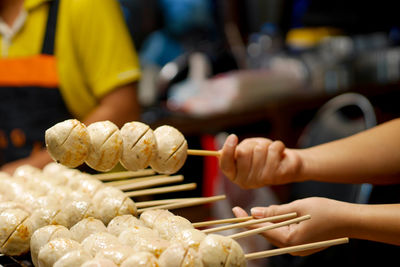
[136,146]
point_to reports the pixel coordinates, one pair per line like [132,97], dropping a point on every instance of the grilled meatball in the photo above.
[122,223]
[68,142]
[86,227]
[141,259]
[51,252]
[171,150]
[73,258]
[105,146]
[139,145]
[43,235]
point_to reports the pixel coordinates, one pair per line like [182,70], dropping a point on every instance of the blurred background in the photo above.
[301,71]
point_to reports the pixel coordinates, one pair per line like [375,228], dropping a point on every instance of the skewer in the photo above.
[122,175]
[152,203]
[251,222]
[269,227]
[151,183]
[197,152]
[135,180]
[184,204]
[161,190]
[279,251]
[222,221]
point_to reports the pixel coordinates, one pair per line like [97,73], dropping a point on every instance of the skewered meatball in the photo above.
[189,237]
[106,145]
[9,221]
[149,217]
[98,241]
[236,256]
[73,210]
[139,145]
[116,254]
[55,249]
[43,235]
[173,256]
[169,226]
[86,227]
[172,150]
[4,205]
[192,258]
[141,259]
[122,223]
[68,142]
[99,263]
[73,258]
[110,202]
[18,242]
[53,168]
[214,250]
[131,236]
[152,245]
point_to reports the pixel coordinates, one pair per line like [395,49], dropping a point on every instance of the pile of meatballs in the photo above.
[64,217]
[101,145]
[157,239]
[33,198]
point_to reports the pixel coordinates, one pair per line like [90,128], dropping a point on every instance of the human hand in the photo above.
[257,162]
[328,221]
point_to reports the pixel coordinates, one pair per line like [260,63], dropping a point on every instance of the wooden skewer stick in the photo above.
[197,152]
[279,251]
[135,180]
[151,183]
[251,222]
[269,227]
[152,203]
[184,204]
[222,221]
[161,190]
[122,175]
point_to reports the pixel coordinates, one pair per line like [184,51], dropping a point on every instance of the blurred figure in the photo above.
[61,59]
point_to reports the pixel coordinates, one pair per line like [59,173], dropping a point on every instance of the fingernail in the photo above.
[257,212]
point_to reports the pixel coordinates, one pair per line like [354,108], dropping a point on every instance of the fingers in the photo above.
[273,210]
[227,159]
[239,212]
[274,159]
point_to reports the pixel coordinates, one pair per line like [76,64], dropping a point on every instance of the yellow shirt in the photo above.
[93,48]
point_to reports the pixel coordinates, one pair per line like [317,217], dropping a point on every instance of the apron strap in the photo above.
[49,38]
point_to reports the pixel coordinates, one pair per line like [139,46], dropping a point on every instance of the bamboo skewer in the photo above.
[184,204]
[152,203]
[197,152]
[269,227]
[151,183]
[122,175]
[279,251]
[135,180]
[161,190]
[222,221]
[251,222]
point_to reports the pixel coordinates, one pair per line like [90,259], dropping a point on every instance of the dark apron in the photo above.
[31,105]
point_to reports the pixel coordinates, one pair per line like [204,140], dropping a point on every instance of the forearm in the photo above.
[372,156]
[120,106]
[375,222]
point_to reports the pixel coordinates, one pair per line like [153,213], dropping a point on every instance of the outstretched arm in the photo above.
[372,156]
[331,219]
